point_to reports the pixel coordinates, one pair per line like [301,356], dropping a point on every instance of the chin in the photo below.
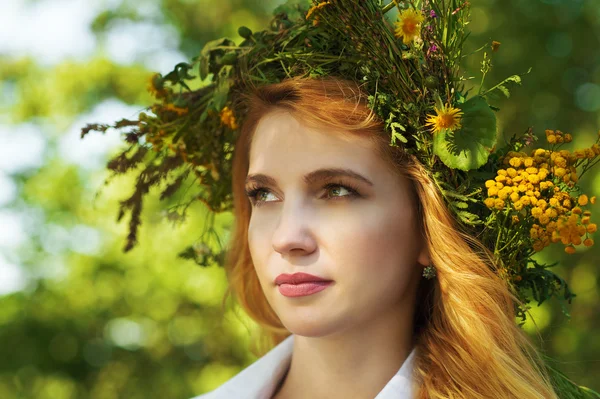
[308,324]
[311,331]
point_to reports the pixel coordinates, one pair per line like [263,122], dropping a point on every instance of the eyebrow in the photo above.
[310,178]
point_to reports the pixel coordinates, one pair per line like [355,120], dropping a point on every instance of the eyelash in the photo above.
[252,192]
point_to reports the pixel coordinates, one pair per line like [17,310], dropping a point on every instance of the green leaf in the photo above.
[456,195]
[293,9]
[397,135]
[504,90]
[221,95]
[501,86]
[461,205]
[210,53]
[468,217]
[469,147]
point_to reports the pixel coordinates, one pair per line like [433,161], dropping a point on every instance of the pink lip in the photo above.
[303,289]
[298,278]
[300,284]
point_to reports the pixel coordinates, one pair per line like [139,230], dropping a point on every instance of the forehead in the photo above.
[282,141]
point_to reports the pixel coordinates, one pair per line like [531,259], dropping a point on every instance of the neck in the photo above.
[352,364]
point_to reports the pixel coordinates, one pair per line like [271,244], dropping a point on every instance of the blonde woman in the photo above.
[320,194]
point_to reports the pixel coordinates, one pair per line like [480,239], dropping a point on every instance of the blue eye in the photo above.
[254,193]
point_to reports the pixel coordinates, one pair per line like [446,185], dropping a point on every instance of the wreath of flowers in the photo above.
[516,202]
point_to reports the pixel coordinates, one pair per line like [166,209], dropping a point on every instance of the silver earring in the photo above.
[429,272]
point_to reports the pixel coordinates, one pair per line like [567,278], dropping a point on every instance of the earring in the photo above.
[429,272]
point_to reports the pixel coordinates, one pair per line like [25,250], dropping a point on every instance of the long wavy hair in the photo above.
[468,342]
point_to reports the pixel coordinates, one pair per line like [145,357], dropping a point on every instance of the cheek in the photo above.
[255,245]
[259,244]
[377,241]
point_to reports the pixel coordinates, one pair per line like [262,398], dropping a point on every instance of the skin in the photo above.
[352,337]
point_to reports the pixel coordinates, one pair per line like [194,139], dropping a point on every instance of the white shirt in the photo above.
[261,378]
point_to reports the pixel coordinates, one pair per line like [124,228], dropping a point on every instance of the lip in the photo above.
[299,278]
[303,289]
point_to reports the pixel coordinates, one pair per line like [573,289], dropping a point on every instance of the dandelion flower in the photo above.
[447,117]
[409,25]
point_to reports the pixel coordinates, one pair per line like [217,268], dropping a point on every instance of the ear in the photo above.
[424,258]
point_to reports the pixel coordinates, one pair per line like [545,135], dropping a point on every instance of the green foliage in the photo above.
[71,88]
[60,335]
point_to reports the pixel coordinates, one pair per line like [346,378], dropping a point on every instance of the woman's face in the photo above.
[367,242]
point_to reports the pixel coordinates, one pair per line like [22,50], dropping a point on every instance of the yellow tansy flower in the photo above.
[228,119]
[499,204]
[172,107]
[409,25]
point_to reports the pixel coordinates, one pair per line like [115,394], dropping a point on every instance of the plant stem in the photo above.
[388,7]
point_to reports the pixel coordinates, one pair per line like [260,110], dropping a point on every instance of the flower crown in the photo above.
[515,202]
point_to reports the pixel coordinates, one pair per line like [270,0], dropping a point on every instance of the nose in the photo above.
[294,232]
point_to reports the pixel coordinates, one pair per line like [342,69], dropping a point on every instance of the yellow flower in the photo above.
[228,119]
[499,204]
[314,8]
[447,117]
[515,161]
[542,204]
[409,26]
[156,86]
[176,109]
[489,202]
[582,200]
[560,172]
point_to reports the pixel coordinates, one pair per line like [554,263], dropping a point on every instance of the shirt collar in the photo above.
[260,379]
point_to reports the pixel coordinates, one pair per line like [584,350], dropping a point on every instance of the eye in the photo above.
[255,194]
[336,188]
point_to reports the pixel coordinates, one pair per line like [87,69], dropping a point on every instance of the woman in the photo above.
[363,160]
[319,190]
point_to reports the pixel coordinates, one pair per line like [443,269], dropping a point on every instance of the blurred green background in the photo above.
[80,319]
